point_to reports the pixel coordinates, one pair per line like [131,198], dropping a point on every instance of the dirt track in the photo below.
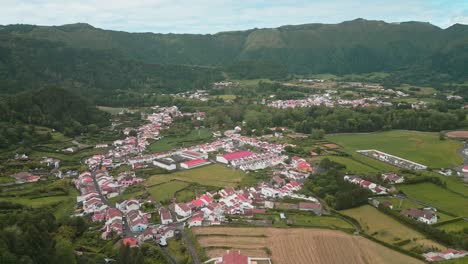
[307,246]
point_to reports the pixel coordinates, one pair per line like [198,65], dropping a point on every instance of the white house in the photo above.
[182,210]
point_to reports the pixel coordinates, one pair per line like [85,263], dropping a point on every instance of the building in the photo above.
[166,217]
[167,164]
[193,155]
[426,216]
[194,163]
[392,178]
[182,210]
[229,157]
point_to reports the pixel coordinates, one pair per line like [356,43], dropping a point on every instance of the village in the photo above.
[128,220]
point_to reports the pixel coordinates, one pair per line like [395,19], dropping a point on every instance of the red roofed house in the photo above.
[194,163]
[227,158]
[303,166]
[165,215]
[130,241]
[195,221]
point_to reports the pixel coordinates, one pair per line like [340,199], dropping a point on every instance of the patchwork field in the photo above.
[421,147]
[211,175]
[438,197]
[387,229]
[297,246]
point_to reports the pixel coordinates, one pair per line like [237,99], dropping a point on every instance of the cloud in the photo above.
[210,16]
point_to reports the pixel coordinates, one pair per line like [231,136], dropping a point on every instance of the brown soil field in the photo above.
[298,245]
[457,134]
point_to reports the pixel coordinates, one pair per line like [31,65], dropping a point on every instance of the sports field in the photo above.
[211,175]
[421,147]
[387,229]
[437,197]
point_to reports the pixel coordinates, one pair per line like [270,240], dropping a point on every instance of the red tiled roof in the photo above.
[184,207]
[198,203]
[130,241]
[237,155]
[191,163]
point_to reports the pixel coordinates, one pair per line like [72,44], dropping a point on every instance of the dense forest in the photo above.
[50,107]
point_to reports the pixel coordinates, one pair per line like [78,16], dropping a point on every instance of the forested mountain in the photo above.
[107,66]
[350,47]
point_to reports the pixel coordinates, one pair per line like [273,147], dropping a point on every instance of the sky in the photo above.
[211,16]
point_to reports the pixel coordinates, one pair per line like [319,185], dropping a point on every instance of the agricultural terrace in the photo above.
[387,229]
[59,195]
[296,245]
[437,197]
[420,147]
[211,175]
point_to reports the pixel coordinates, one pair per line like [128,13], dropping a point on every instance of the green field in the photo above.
[192,138]
[387,229]
[437,197]
[353,166]
[212,175]
[165,191]
[310,220]
[458,226]
[421,147]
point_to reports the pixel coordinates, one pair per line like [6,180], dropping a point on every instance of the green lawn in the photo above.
[437,197]
[421,147]
[211,175]
[192,138]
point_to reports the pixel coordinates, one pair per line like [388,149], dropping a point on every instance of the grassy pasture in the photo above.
[438,197]
[166,190]
[211,175]
[421,147]
[387,229]
[169,143]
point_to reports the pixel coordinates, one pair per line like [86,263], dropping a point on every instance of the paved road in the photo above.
[191,247]
[168,255]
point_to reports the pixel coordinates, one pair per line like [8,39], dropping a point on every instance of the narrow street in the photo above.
[126,229]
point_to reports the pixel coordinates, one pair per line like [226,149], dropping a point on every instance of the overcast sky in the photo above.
[211,16]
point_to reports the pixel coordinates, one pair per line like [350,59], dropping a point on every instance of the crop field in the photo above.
[297,245]
[211,175]
[437,197]
[387,229]
[421,147]
[169,143]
